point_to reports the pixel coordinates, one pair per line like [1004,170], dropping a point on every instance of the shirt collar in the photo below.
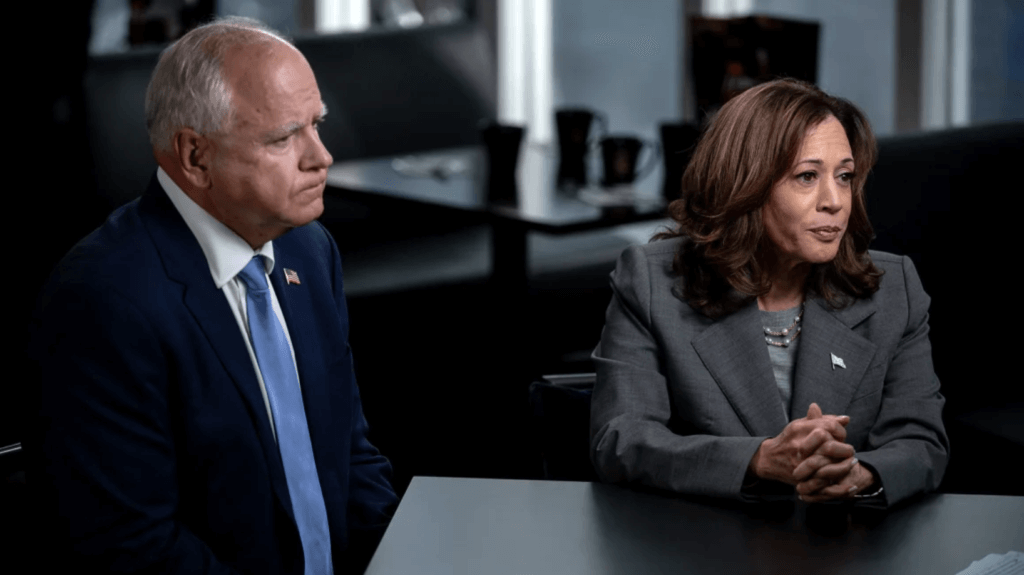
[226,252]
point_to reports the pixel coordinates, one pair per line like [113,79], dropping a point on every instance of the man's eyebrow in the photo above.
[292,127]
[283,131]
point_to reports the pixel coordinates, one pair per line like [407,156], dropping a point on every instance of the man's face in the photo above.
[268,167]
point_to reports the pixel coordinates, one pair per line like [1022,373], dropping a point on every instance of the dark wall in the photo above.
[387,92]
[49,191]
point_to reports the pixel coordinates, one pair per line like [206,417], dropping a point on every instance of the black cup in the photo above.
[620,155]
[678,141]
[502,143]
[573,127]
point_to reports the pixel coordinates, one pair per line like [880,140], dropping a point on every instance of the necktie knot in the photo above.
[254,275]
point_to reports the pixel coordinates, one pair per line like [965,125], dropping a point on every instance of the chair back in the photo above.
[561,422]
[15,528]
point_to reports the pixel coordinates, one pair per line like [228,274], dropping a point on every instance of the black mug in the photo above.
[573,128]
[620,155]
[678,141]
[501,142]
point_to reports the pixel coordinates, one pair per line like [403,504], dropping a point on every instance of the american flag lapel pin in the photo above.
[291,277]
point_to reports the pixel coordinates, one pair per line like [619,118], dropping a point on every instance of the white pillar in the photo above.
[342,15]
[525,66]
[727,8]
[960,64]
[945,63]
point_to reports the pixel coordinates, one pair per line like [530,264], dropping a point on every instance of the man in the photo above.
[199,411]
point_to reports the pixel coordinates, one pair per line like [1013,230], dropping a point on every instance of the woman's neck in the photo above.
[788,289]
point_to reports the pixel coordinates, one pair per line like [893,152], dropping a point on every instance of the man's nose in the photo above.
[316,156]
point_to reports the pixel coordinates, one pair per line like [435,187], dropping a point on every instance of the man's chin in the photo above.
[311,212]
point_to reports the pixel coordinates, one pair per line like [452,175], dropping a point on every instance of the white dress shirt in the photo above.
[227,254]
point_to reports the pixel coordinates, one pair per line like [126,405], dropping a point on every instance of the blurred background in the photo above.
[443,369]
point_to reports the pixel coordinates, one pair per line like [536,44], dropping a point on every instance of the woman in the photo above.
[760,348]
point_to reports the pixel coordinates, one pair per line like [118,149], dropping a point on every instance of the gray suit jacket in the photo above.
[682,401]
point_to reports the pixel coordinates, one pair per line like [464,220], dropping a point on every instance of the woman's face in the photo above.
[806,215]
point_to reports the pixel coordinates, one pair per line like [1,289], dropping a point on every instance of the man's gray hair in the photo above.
[187,89]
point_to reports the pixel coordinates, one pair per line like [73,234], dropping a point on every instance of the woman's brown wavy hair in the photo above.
[748,146]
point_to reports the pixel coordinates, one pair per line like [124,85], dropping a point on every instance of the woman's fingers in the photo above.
[832,480]
[828,453]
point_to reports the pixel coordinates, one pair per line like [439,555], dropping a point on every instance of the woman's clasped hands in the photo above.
[811,454]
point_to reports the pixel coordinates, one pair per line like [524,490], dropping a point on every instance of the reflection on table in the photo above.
[457,525]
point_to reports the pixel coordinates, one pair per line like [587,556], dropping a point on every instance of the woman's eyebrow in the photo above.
[821,162]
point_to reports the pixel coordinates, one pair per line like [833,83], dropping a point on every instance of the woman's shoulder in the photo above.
[900,278]
[645,281]
[653,260]
[664,249]
[886,259]
[892,265]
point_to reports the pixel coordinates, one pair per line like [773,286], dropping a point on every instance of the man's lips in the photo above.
[314,186]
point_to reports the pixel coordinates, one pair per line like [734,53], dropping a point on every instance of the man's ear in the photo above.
[193,152]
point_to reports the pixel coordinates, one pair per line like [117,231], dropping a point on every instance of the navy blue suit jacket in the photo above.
[153,450]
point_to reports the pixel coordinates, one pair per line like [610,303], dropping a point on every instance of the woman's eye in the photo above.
[807,177]
[847,177]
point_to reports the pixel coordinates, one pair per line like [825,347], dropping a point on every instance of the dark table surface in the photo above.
[494,526]
[456,178]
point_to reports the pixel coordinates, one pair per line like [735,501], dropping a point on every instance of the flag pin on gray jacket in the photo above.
[836,360]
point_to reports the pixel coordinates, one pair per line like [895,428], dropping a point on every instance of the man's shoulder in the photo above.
[116,242]
[117,256]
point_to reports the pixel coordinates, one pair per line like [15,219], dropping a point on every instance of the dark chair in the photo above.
[986,445]
[14,536]
[938,197]
[561,423]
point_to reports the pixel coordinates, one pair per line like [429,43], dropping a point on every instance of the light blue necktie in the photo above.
[282,384]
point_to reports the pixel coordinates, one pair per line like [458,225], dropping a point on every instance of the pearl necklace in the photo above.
[794,327]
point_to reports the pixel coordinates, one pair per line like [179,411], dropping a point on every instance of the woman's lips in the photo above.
[827,233]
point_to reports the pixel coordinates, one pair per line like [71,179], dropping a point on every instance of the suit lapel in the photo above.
[734,352]
[825,333]
[185,264]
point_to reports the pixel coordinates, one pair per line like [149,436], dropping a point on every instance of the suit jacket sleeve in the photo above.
[631,440]
[372,500]
[108,488]
[907,445]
